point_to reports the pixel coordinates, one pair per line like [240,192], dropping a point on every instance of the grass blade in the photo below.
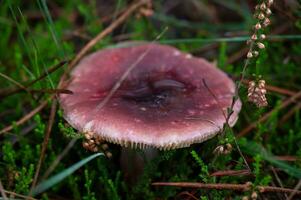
[252,148]
[62,175]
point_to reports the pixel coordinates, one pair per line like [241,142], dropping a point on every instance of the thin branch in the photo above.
[26,117]
[19,195]
[296,189]
[45,142]
[20,86]
[275,89]
[291,112]
[231,173]
[101,35]
[2,191]
[59,158]
[11,91]
[284,104]
[227,186]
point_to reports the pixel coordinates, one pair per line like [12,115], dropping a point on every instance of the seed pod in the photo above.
[263,6]
[266,22]
[268,12]
[255,53]
[262,36]
[261,16]
[258,26]
[249,55]
[260,45]
[254,37]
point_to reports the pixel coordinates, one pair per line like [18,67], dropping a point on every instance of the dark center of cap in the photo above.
[154,93]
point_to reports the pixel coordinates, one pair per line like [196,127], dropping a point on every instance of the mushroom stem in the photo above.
[132,162]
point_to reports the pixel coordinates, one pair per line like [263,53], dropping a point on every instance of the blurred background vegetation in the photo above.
[37,35]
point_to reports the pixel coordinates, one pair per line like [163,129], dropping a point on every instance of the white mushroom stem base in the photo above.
[132,162]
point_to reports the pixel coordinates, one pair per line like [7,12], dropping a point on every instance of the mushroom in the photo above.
[162,103]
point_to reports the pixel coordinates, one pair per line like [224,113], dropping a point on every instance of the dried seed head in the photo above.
[255,53]
[260,45]
[254,37]
[256,93]
[229,147]
[266,22]
[262,36]
[105,146]
[249,55]
[108,154]
[254,195]
[263,6]
[261,82]
[245,198]
[261,16]
[270,2]
[85,145]
[268,12]
[94,148]
[261,189]
[88,135]
[258,26]
[252,84]
[219,150]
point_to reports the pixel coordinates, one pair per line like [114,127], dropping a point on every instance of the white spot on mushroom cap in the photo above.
[143,108]
[176,53]
[188,56]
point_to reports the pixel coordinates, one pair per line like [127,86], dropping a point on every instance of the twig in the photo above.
[2,191]
[25,118]
[11,91]
[188,194]
[19,195]
[227,186]
[59,158]
[13,81]
[275,89]
[242,52]
[45,142]
[298,186]
[289,113]
[267,115]
[231,173]
[104,33]
[277,178]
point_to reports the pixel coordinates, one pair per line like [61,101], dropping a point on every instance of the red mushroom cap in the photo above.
[163,102]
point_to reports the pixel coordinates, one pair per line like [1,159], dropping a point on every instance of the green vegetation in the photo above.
[36,36]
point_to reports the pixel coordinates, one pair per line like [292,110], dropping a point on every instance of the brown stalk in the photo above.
[275,89]
[187,194]
[231,173]
[101,35]
[284,104]
[242,52]
[227,186]
[59,158]
[290,113]
[45,142]
[19,195]
[297,187]
[11,91]
[2,191]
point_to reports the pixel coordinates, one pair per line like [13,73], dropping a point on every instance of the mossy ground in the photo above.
[36,35]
